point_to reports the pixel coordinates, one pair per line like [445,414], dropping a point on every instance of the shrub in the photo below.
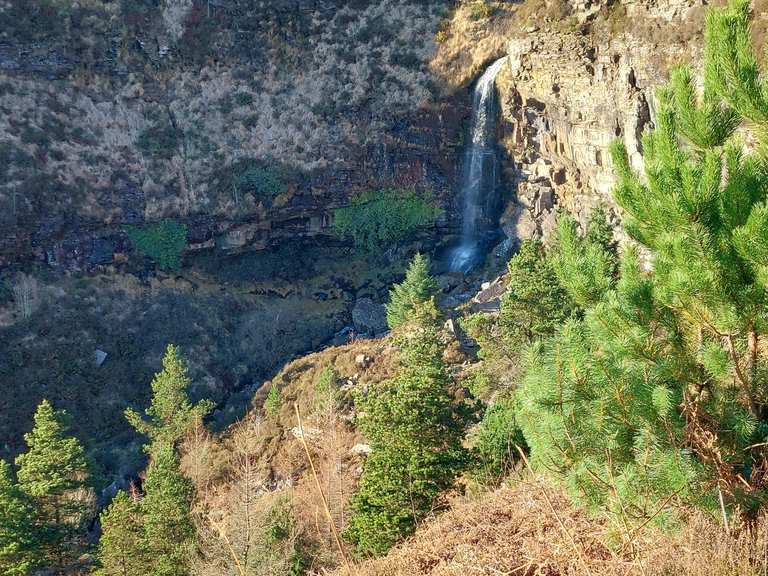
[243,99]
[480,10]
[163,242]
[273,402]
[417,288]
[379,218]
[254,178]
[496,441]
[160,140]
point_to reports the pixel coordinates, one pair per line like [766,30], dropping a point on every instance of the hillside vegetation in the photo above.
[611,417]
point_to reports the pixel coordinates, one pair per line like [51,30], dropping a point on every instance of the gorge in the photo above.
[260,183]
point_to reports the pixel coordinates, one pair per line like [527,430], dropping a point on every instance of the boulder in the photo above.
[361,449]
[369,318]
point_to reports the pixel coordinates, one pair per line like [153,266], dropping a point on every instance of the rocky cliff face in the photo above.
[249,121]
[571,90]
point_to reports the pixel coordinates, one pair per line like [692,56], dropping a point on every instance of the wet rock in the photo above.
[491,291]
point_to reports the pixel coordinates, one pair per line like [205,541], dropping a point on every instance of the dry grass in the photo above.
[515,531]
[468,43]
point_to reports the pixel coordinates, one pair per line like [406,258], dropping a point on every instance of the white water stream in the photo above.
[479,178]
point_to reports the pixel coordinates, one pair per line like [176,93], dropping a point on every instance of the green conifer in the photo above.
[273,402]
[54,474]
[417,288]
[658,396]
[17,556]
[171,414]
[121,547]
[535,303]
[415,426]
[168,532]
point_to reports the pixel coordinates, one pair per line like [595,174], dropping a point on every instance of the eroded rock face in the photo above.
[568,95]
[248,121]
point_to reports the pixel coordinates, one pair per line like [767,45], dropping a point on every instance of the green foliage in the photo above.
[496,441]
[281,533]
[480,9]
[171,415]
[274,402]
[280,521]
[584,267]
[535,303]
[731,72]
[156,535]
[599,232]
[54,474]
[326,390]
[417,288]
[160,140]
[169,535]
[379,218]
[17,554]
[163,242]
[658,395]
[415,425]
[479,383]
[121,546]
[257,178]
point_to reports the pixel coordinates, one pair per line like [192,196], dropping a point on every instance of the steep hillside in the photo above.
[530,528]
[249,121]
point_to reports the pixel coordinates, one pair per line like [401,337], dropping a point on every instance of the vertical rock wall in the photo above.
[566,96]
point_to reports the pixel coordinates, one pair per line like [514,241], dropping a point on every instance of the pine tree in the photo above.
[17,556]
[415,426]
[658,396]
[273,402]
[535,303]
[171,414]
[417,288]
[168,532]
[121,547]
[54,474]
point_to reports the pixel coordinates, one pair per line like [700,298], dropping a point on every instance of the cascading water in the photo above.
[479,178]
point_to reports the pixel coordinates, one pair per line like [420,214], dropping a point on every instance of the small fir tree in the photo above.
[17,555]
[415,426]
[417,288]
[171,414]
[168,531]
[273,402]
[583,264]
[121,547]
[535,302]
[54,474]
[496,441]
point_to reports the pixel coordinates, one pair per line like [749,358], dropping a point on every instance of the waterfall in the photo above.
[479,177]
